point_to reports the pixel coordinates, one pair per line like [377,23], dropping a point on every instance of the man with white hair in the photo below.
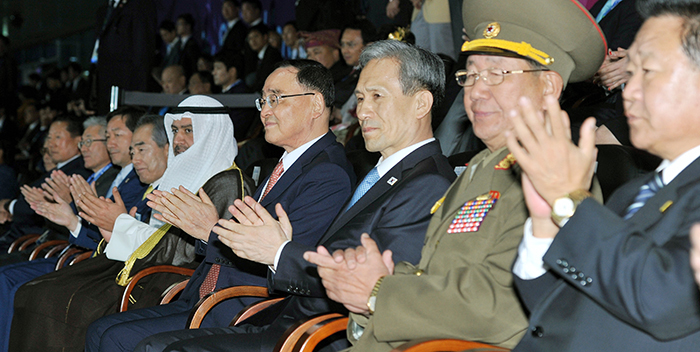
[201,154]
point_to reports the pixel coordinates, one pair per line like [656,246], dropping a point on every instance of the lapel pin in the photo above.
[666,206]
[391,181]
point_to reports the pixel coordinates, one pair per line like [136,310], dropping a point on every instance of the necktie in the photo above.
[647,191]
[209,283]
[367,183]
[609,5]
[276,173]
[148,191]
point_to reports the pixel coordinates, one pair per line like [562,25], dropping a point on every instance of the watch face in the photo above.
[564,207]
[371,303]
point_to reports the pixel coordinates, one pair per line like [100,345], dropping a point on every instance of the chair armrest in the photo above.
[62,260]
[306,335]
[173,291]
[447,345]
[41,247]
[149,271]
[81,257]
[252,309]
[209,301]
[56,249]
[16,244]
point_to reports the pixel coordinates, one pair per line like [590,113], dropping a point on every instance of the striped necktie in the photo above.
[647,191]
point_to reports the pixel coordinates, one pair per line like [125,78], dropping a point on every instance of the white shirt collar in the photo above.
[671,169]
[261,54]
[256,22]
[289,158]
[230,86]
[384,165]
[232,23]
[185,39]
[62,164]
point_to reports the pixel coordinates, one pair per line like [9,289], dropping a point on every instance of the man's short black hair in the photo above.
[368,30]
[74,125]
[131,115]
[313,76]
[235,3]
[291,23]
[231,59]
[167,25]
[689,13]
[188,18]
[205,77]
[256,4]
[260,28]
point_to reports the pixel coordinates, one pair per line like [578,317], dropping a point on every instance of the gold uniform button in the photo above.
[419,272]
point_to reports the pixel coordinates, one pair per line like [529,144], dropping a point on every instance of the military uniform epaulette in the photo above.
[506,163]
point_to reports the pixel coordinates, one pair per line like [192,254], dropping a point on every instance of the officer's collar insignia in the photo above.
[506,163]
[391,181]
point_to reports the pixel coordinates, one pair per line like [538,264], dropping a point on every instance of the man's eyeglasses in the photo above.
[273,99]
[490,77]
[88,142]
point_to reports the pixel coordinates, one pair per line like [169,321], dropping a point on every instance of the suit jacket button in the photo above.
[562,263]
[537,331]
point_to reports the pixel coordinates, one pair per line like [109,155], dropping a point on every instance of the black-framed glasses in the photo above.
[490,77]
[88,142]
[273,99]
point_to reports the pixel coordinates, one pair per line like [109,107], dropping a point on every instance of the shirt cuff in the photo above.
[529,264]
[11,207]
[76,232]
[273,268]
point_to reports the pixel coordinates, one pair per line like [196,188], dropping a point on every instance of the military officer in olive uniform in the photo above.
[463,287]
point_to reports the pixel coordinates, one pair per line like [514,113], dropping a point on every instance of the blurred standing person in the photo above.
[123,50]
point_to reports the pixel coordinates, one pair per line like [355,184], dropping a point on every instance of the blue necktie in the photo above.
[367,183]
[647,191]
[609,5]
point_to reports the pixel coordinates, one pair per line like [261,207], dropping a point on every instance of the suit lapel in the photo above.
[653,209]
[294,171]
[395,175]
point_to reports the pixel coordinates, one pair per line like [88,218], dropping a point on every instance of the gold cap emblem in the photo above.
[492,30]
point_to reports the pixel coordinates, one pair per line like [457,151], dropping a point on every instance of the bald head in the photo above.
[173,79]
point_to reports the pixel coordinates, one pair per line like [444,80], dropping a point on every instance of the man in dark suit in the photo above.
[125,55]
[392,203]
[189,47]
[168,33]
[228,68]
[64,135]
[233,31]
[312,180]
[616,277]
[265,57]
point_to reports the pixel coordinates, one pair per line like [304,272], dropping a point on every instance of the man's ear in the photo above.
[233,72]
[424,103]
[553,83]
[318,105]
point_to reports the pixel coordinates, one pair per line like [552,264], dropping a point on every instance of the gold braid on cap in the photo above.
[399,34]
[522,49]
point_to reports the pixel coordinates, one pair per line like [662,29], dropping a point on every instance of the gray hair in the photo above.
[688,11]
[95,121]
[158,133]
[418,68]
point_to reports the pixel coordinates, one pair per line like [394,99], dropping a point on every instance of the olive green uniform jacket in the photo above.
[462,287]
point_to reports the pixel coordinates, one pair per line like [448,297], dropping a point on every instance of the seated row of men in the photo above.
[410,253]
